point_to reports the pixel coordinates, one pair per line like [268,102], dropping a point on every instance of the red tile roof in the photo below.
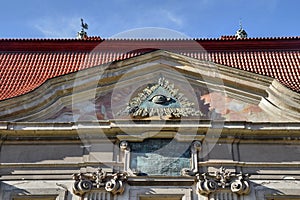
[25,64]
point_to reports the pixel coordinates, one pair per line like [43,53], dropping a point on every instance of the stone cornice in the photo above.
[140,130]
[209,182]
[281,101]
[109,124]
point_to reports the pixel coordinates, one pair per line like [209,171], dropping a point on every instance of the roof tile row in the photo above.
[23,71]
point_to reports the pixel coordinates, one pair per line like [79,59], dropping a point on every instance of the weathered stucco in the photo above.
[71,140]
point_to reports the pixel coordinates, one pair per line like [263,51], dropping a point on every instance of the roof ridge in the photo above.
[90,38]
[225,37]
[98,38]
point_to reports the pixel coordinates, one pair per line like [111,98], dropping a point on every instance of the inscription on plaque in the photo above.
[162,157]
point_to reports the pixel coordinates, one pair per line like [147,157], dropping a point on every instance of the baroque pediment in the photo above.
[214,92]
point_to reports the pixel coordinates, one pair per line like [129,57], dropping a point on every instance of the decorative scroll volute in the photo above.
[116,184]
[206,185]
[85,182]
[241,185]
[195,149]
[223,179]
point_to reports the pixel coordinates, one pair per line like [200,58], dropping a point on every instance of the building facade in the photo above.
[140,119]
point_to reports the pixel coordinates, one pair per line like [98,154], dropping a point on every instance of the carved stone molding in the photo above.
[147,156]
[85,182]
[125,148]
[195,148]
[223,179]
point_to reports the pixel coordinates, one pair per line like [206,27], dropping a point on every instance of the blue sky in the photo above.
[193,18]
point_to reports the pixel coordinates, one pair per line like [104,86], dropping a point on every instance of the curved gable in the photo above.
[100,92]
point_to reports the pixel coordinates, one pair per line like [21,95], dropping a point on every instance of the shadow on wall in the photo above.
[267,193]
[23,159]
[150,194]
[34,153]
[18,192]
[11,191]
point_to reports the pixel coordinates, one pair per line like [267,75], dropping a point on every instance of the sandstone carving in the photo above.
[223,179]
[85,182]
[161,99]
[195,148]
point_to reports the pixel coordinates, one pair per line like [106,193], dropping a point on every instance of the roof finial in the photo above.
[240,21]
[241,33]
[82,34]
